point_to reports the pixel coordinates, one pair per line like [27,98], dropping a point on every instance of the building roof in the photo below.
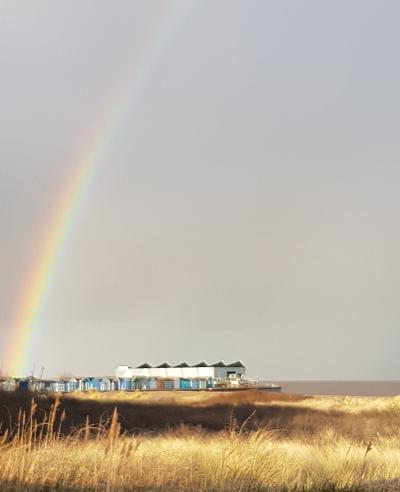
[203,363]
[182,364]
[220,363]
[238,363]
[164,365]
[145,365]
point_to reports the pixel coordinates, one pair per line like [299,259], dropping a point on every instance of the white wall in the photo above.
[177,372]
[123,372]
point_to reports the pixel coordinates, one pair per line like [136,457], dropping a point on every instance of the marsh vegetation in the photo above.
[244,441]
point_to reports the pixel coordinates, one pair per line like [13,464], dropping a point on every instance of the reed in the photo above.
[36,455]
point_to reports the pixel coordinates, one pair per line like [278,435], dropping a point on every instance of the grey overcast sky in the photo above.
[248,206]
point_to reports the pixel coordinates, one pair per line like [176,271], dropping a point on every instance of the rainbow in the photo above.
[38,283]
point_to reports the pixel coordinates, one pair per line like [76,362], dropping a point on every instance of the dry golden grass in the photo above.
[193,398]
[38,453]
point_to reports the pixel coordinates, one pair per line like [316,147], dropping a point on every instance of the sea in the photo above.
[340,387]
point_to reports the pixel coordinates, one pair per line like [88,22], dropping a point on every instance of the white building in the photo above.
[219,370]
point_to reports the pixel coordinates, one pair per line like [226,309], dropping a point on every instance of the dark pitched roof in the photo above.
[238,363]
[182,364]
[145,365]
[220,363]
[164,365]
[203,363]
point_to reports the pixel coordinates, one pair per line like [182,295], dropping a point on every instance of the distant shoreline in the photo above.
[341,387]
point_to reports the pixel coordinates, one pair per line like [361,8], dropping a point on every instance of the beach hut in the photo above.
[168,384]
[104,384]
[114,384]
[8,384]
[29,384]
[50,386]
[94,383]
[62,385]
[35,384]
[159,384]
[135,385]
[202,384]
[69,385]
[85,384]
[199,383]
[125,384]
[153,383]
[142,383]
[79,384]
[185,384]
